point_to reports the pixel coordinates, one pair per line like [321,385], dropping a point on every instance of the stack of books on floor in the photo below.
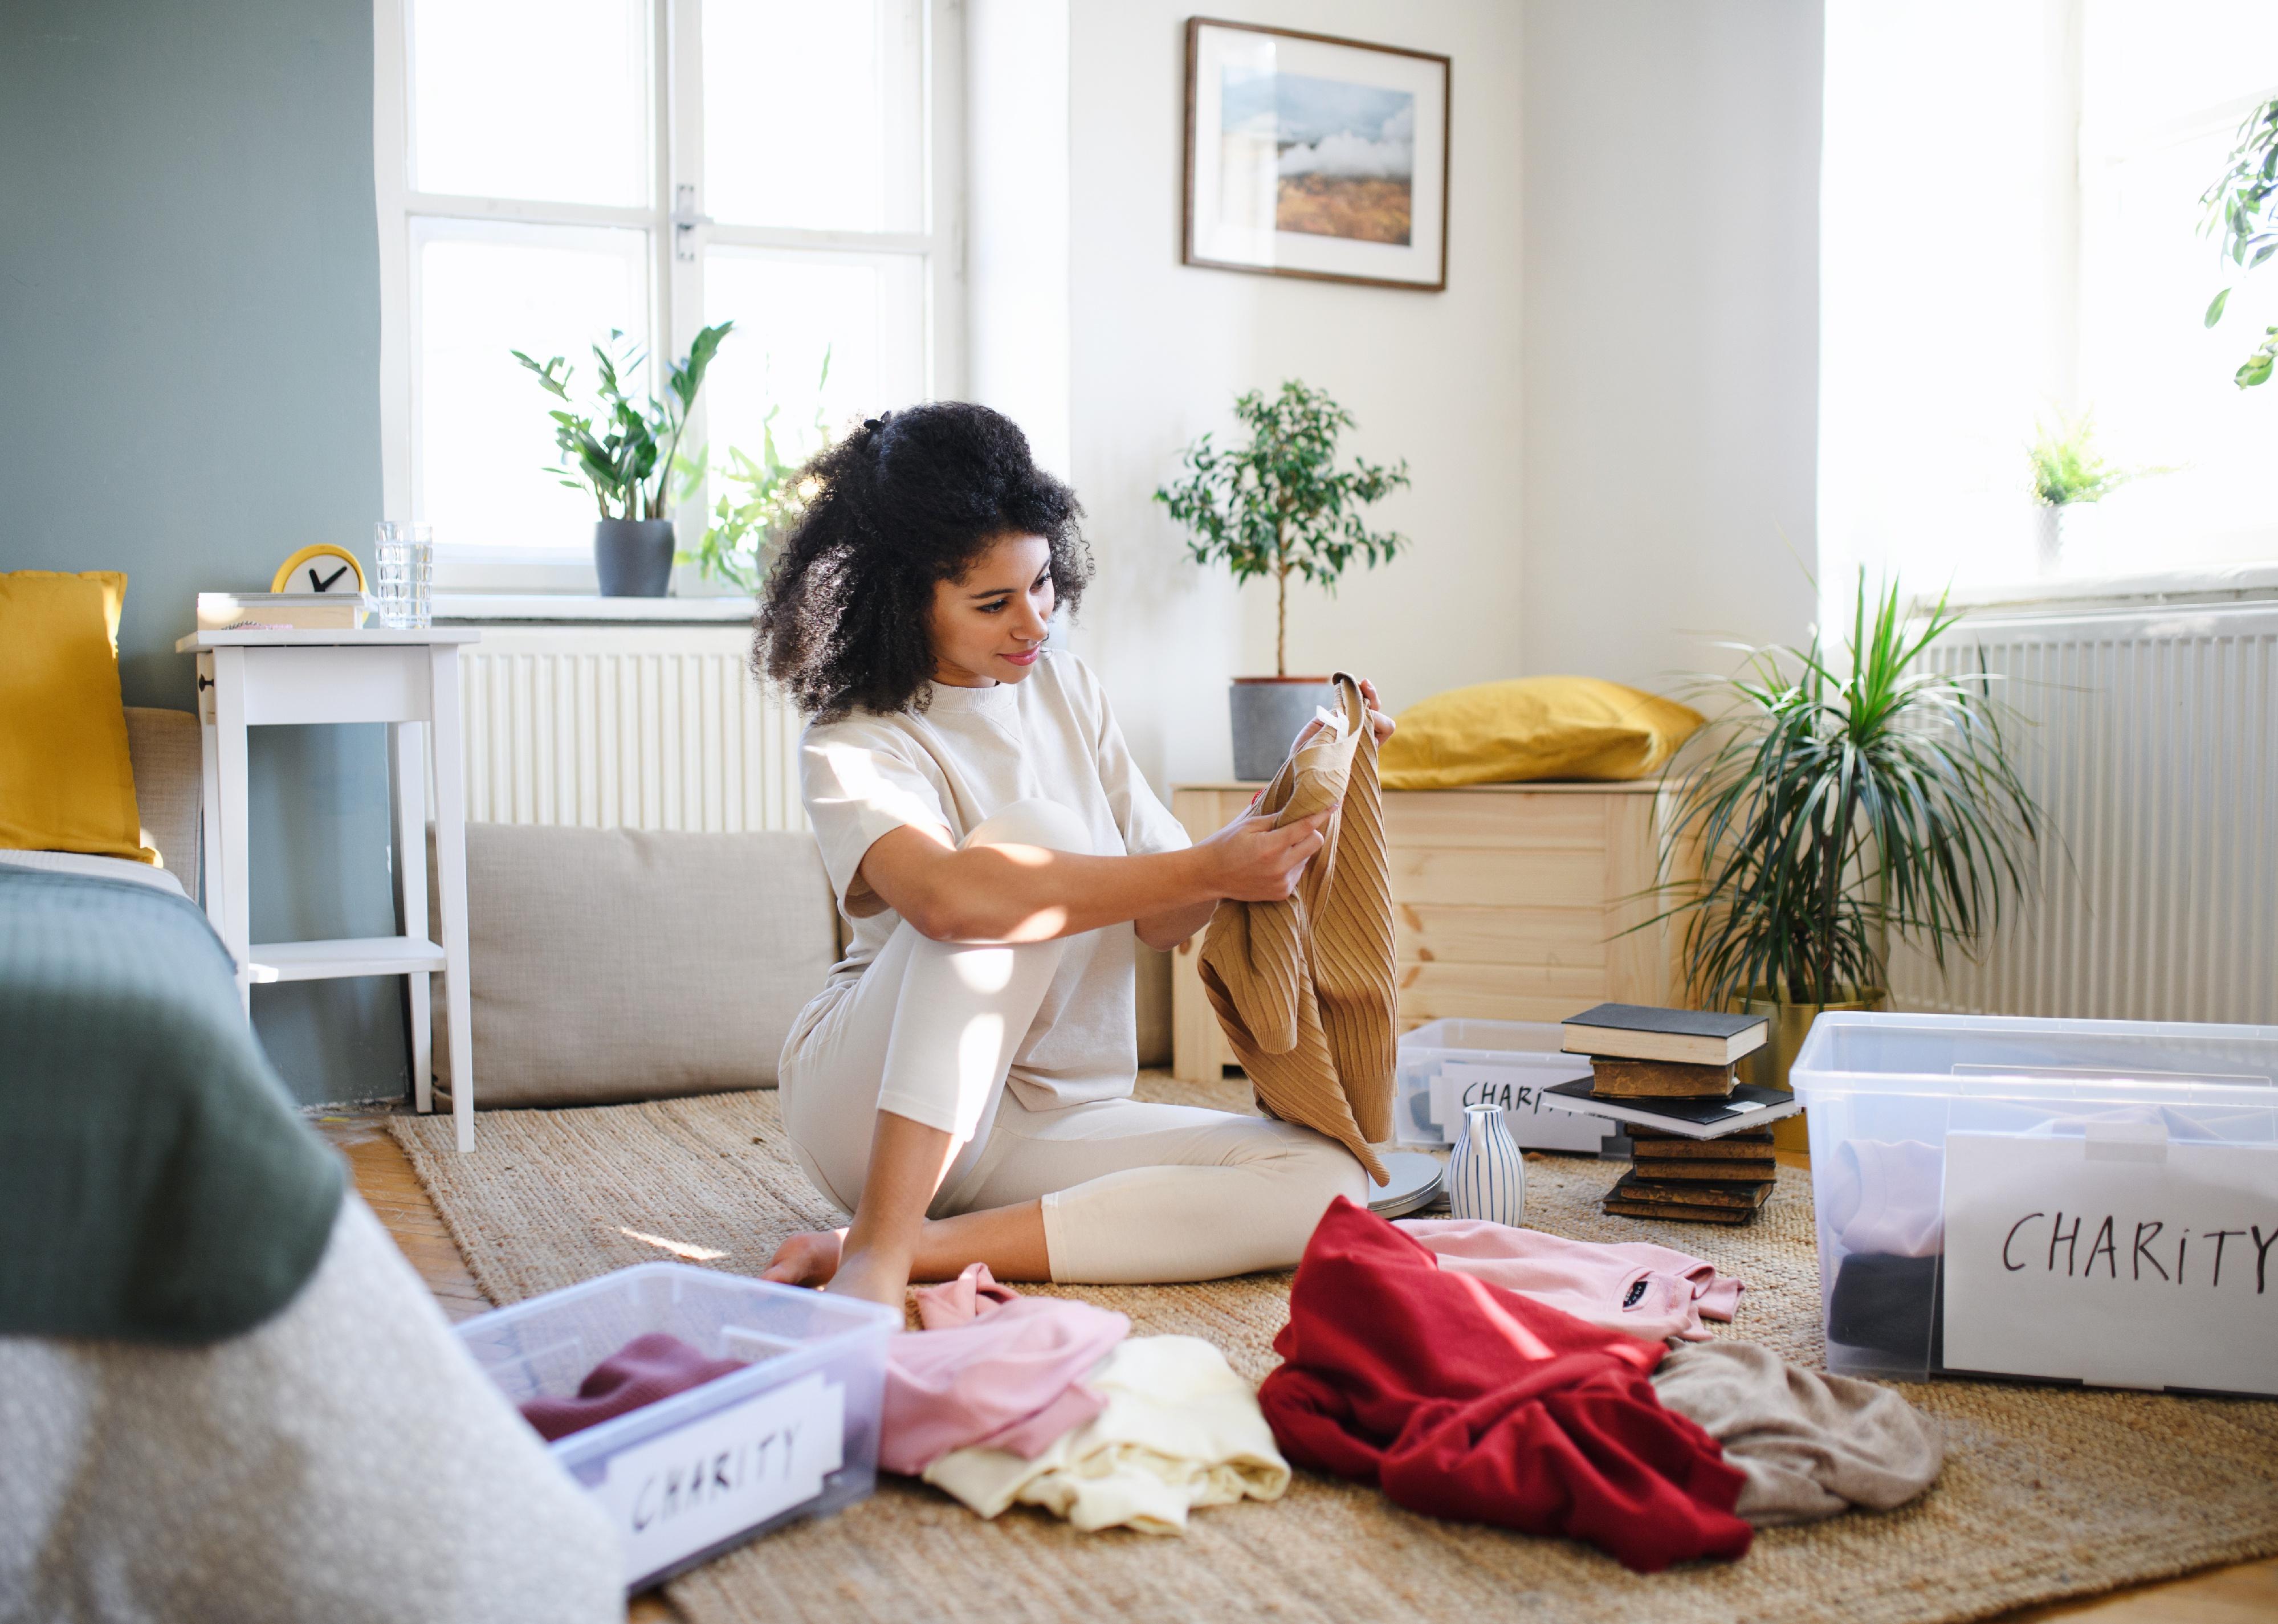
[1702,1140]
[1698,1180]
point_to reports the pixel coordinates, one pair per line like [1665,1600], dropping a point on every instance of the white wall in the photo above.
[1671,268]
[1158,350]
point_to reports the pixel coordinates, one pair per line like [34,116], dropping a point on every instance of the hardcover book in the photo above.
[1646,1079]
[1641,1031]
[1747,1106]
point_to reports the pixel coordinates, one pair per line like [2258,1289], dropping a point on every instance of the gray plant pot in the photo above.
[1267,712]
[633,557]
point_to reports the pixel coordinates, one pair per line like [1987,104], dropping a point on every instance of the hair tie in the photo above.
[875,423]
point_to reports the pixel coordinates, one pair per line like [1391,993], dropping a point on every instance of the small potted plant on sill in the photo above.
[1280,506]
[1829,810]
[2068,473]
[766,496]
[627,459]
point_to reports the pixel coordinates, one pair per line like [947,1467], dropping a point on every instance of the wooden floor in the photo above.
[2245,1594]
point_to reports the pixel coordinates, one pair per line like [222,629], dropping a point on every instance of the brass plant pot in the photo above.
[1791,1024]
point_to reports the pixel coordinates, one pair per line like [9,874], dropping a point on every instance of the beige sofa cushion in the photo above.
[613,965]
[163,747]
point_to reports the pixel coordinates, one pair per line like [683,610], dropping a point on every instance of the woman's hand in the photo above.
[1251,861]
[1377,719]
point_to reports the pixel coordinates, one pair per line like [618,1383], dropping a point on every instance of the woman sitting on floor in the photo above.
[962,1083]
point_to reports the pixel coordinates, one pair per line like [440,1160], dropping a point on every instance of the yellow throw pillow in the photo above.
[1530,727]
[66,781]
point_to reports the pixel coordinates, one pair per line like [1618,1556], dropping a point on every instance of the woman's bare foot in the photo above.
[809,1258]
[872,1276]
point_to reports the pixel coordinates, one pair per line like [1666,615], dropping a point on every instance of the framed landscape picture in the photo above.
[1314,156]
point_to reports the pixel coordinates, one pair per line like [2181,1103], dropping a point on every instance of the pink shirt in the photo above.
[1631,1286]
[990,1367]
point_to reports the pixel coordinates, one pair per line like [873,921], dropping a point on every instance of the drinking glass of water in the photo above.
[404,573]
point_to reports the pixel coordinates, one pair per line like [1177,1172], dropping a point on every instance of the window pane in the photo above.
[545,99]
[866,313]
[814,114]
[484,451]
[2160,114]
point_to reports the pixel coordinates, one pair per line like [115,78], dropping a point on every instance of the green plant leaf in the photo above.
[2215,310]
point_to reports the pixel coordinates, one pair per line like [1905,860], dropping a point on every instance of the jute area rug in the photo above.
[2047,1492]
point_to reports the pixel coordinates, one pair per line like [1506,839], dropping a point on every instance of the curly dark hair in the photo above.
[910,499]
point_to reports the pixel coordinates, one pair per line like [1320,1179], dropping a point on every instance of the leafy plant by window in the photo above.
[2068,469]
[2243,213]
[767,501]
[1830,808]
[1279,505]
[626,458]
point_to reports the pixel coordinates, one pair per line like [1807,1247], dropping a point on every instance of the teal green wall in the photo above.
[189,391]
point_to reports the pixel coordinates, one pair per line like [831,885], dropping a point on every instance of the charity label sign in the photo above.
[1518,1090]
[678,1493]
[2124,1262]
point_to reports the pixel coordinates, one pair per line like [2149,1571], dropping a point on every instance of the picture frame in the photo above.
[1316,156]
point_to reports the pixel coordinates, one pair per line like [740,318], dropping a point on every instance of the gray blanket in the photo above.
[155,1184]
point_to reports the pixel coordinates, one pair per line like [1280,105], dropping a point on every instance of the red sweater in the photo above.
[1468,1402]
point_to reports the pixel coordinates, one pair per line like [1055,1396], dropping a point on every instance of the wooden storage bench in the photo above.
[1509,902]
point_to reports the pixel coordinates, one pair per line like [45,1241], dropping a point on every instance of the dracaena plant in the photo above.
[2243,215]
[1279,505]
[624,447]
[1831,808]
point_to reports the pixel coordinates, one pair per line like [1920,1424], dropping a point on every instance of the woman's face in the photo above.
[990,626]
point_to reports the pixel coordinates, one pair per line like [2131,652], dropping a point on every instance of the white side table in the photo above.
[410,681]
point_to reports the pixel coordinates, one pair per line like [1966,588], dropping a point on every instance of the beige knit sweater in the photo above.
[1306,987]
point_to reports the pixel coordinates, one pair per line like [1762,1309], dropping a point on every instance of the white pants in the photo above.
[1130,1192]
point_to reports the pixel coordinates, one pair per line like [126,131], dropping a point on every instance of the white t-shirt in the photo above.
[970,753]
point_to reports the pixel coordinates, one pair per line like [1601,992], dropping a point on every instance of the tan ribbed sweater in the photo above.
[1306,987]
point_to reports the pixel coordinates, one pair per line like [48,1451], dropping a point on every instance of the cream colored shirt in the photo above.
[968,754]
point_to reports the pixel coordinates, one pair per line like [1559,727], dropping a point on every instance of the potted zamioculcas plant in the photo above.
[1280,506]
[623,450]
[1832,808]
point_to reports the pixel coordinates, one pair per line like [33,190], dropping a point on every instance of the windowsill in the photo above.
[487,609]
[2207,583]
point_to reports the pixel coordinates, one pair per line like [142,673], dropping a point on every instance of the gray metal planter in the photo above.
[633,557]
[1267,712]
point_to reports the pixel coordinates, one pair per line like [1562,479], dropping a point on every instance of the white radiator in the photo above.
[648,728]
[2150,738]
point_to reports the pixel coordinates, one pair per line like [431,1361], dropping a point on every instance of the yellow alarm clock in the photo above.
[319,579]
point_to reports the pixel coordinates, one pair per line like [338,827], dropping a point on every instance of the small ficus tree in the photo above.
[2243,213]
[1279,505]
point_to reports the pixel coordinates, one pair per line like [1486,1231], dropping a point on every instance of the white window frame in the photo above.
[677,231]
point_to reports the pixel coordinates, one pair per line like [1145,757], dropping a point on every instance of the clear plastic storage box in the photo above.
[1447,1065]
[2088,1200]
[793,1434]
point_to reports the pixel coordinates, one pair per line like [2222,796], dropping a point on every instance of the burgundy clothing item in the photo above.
[1467,1401]
[646,1369]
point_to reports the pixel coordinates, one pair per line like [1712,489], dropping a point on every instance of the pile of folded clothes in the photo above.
[1004,1399]
[1463,1398]
[1472,1371]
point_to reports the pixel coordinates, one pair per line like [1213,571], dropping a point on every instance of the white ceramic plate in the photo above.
[1415,1183]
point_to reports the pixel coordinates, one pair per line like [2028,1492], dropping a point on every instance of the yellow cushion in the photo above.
[1534,727]
[66,781]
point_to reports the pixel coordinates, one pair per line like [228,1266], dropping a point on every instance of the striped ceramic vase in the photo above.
[1486,1179]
